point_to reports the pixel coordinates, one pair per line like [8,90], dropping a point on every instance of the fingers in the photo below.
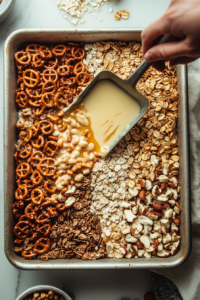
[167,51]
[159,65]
[182,60]
[151,33]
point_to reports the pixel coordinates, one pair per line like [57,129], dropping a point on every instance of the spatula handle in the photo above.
[144,66]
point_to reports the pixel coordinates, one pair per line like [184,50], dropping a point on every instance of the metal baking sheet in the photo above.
[53,36]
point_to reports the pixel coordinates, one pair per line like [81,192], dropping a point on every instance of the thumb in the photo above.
[167,51]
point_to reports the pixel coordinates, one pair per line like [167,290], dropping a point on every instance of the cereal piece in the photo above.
[124,14]
[117,16]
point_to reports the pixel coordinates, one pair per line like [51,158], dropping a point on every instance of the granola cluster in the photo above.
[77,232]
[135,189]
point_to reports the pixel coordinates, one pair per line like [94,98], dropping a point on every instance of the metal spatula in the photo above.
[129,86]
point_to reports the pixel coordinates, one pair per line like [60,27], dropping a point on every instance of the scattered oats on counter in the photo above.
[135,190]
[76,8]
[74,21]
[111,10]
[124,14]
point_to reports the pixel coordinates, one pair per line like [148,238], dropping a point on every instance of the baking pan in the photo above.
[53,36]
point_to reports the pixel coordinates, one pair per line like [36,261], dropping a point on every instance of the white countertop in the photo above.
[90,285]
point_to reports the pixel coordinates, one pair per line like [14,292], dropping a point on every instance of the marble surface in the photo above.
[90,285]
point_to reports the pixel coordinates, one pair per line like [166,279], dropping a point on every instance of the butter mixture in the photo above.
[111,111]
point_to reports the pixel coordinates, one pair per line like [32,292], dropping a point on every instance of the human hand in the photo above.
[182,19]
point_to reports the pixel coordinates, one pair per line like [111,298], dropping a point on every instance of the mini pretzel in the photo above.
[78,53]
[21,192]
[22,229]
[34,102]
[39,111]
[41,219]
[17,158]
[71,62]
[19,68]
[59,50]
[51,64]
[43,229]
[52,211]
[62,127]
[48,99]
[79,67]
[32,49]
[46,127]
[30,78]
[49,86]
[33,235]
[39,143]
[60,99]
[23,170]
[35,129]
[49,186]
[67,91]
[34,94]
[37,196]
[68,81]
[70,91]
[21,99]
[38,60]
[53,118]
[22,135]
[28,183]
[23,58]
[25,150]
[50,75]
[30,211]
[63,70]
[42,245]
[75,44]
[50,148]
[36,177]
[46,202]
[83,78]
[45,52]
[29,135]
[36,158]
[28,254]
[24,218]
[46,167]
[71,70]
[60,206]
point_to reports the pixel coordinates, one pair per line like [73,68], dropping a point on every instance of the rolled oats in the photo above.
[77,8]
[148,152]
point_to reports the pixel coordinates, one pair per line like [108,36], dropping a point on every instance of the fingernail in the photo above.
[148,56]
